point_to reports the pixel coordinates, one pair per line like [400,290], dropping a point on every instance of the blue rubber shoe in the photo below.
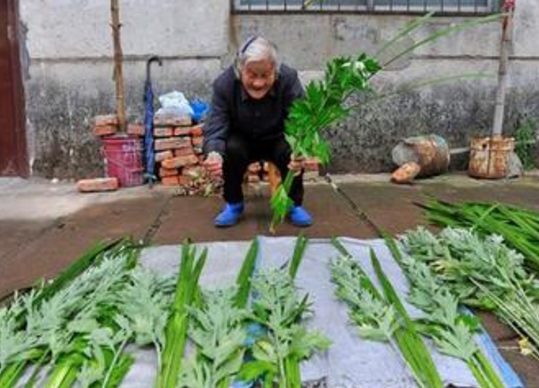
[299,216]
[230,215]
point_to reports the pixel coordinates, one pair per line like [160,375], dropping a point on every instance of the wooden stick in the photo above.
[507,25]
[118,58]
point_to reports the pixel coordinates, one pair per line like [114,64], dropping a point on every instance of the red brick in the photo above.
[98,184]
[180,161]
[171,180]
[105,120]
[185,180]
[172,143]
[173,122]
[168,172]
[197,130]
[163,155]
[163,131]
[184,151]
[178,180]
[136,129]
[105,130]
[197,140]
[182,131]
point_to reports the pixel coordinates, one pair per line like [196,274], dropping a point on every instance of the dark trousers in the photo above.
[240,152]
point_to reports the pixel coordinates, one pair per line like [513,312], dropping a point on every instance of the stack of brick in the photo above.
[178,154]
[105,125]
[108,125]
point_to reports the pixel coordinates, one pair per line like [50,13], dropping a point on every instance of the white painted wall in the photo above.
[69,43]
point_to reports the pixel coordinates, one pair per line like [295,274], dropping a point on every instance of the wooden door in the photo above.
[13,152]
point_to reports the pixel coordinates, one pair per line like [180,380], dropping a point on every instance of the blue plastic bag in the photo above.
[200,109]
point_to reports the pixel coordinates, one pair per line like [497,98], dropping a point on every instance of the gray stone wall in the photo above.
[456,110]
[70,73]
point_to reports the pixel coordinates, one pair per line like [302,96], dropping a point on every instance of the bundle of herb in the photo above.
[278,309]
[482,272]
[322,107]
[382,316]
[48,322]
[18,347]
[518,226]
[77,324]
[218,329]
[16,344]
[326,101]
[451,329]
[286,342]
[178,321]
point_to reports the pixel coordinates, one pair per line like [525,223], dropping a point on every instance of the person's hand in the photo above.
[295,165]
[214,165]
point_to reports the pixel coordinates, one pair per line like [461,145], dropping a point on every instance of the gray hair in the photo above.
[257,49]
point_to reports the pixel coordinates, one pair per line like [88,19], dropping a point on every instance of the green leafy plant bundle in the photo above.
[326,102]
[381,316]
[449,326]
[482,272]
[68,327]
[219,331]
[518,226]
[178,321]
[284,341]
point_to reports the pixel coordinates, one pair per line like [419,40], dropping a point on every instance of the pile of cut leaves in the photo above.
[382,316]
[481,272]
[73,331]
[518,226]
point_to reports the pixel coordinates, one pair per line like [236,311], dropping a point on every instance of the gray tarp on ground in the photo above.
[350,362]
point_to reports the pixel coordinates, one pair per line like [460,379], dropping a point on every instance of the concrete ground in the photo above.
[45,226]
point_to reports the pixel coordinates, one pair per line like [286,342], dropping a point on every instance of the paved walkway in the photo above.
[44,226]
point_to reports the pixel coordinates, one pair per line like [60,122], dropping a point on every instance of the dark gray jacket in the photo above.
[233,110]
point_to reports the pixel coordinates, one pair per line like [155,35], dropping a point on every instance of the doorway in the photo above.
[13,152]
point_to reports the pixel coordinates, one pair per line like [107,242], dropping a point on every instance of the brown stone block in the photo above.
[171,180]
[167,172]
[105,120]
[197,140]
[182,131]
[163,131]
[173,121]
[136,129]
[163,155]
[97,184]
[172,143]
[197,130]
[180,161]
[104,130]
[187,151]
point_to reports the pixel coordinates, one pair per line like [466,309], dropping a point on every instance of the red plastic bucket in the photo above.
[123,156]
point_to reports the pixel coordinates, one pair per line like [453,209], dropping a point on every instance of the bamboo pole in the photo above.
[118,58]
[505,44]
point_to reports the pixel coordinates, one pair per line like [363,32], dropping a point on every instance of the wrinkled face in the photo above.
[258,77]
